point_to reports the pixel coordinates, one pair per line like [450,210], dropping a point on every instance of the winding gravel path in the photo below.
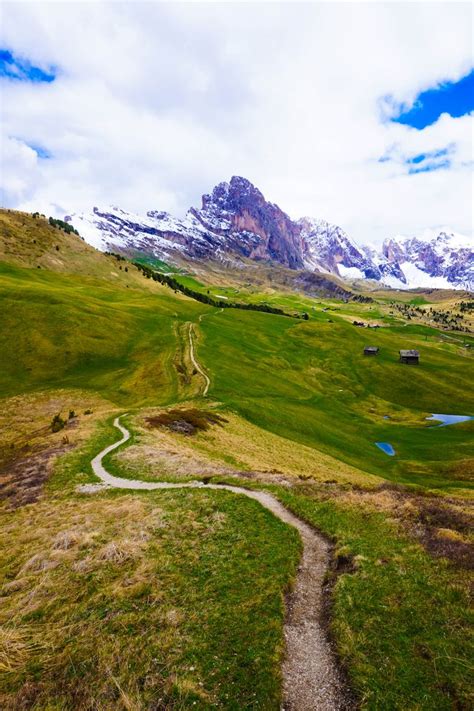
[196,363]
[311,679]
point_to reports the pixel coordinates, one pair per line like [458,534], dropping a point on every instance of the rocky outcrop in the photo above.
[252,226]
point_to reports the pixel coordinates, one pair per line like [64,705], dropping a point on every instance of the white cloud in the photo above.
[155,103]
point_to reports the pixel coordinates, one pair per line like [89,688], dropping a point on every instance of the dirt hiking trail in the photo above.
[311,678]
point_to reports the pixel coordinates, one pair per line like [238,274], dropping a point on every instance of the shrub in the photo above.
[57,423]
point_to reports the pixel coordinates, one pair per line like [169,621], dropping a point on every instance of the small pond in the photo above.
[449,419]
[386,447]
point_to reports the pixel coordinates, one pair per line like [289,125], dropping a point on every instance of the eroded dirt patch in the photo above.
[443,526]
[186,421]
[29,444]
[21,481]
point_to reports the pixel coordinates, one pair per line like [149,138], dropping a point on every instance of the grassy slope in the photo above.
[115,335]
[402,620]
[129,601]
[67,330]
[310,382]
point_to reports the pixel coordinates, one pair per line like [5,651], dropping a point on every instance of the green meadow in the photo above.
[123,600]
[76,331]
[310,382]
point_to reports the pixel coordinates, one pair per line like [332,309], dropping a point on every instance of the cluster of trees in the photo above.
[466,306]
[362,299]
[207,298]
[118,257]
[447,319]
[59,224]
[59,423]
[408,310]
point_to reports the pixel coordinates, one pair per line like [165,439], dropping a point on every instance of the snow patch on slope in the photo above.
[416,277]
[350,272]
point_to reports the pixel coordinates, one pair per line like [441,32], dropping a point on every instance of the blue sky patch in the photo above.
[40,151]
[430,161]
[453,98]
[439,159]
[431,156]
[20,69]
[429,167]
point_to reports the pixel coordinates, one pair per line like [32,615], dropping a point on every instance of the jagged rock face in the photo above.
[328,248]
[236,221]
[254,227]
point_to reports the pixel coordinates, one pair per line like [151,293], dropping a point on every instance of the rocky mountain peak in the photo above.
[259,229]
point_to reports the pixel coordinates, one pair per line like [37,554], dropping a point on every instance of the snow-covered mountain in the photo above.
[328,248]
[439,260]
[236,221]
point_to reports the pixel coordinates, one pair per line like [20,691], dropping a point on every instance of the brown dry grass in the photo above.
[54,553]
[239,446]
[186,420]
[444,526]
[28,447]
[140,601]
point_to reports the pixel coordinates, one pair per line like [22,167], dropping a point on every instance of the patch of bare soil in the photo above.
[186,421]
[442,525]
[21,481]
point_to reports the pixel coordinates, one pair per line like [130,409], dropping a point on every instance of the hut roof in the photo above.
[371,348]
[410,354]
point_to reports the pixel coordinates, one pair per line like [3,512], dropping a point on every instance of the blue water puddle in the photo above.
[444,421]
[386,447]
[449,419]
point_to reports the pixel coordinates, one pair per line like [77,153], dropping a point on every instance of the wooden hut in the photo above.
[371,350]
[410,357]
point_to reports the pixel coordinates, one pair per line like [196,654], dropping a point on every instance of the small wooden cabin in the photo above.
[371,350]
[410,357]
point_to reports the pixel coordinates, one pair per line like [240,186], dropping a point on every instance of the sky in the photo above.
[357,113]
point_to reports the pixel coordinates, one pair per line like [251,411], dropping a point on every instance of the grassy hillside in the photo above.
[60,329]
[124,600]
[310,382]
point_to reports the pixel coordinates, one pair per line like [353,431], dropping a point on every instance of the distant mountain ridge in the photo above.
[235,221]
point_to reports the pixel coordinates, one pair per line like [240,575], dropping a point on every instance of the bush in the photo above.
[57,423]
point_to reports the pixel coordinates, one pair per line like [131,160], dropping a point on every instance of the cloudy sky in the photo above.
[354,112]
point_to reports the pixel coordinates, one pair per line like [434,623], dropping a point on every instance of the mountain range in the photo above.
[235,221]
